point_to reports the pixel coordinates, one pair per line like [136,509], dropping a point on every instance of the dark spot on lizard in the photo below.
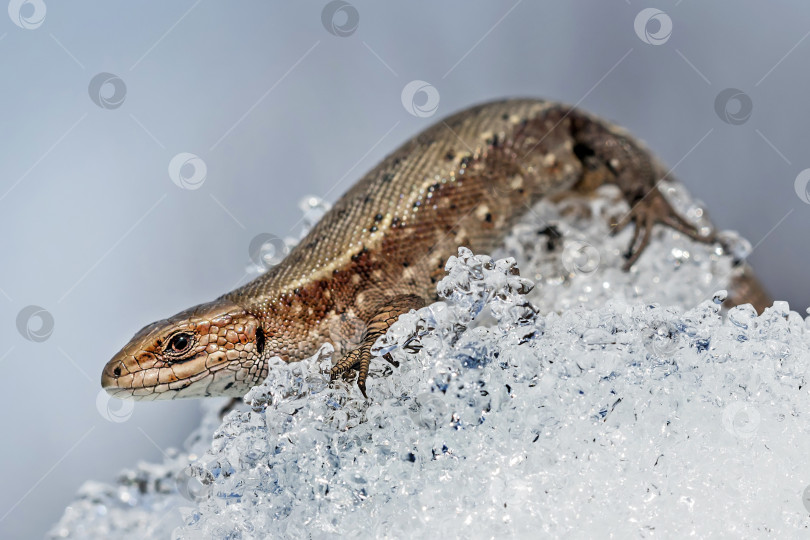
[356,257]
[553,235]
[585,154]
[405,264]
[373,228]
[505,116]
[378,217]
[260,340]
[387,177]
[449,155]
[488,218]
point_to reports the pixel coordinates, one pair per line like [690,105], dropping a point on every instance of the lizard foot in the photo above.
[652,209]
[359,358]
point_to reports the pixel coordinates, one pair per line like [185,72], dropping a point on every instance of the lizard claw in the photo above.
[359,358]
[652,209]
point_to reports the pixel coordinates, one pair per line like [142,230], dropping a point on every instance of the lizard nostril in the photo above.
[117,371]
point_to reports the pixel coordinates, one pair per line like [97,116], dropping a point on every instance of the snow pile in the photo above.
[575,409]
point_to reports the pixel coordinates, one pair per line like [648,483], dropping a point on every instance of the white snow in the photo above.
[598,404]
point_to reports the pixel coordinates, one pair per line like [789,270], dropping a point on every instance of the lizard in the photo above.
[378,252]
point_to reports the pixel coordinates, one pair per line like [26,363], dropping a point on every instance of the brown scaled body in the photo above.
[380,250]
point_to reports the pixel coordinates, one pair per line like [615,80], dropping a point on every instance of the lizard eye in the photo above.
[179,343]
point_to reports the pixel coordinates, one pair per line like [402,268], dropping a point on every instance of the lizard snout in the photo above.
[109,376]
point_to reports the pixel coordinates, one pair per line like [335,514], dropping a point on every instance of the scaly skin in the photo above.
[379,252]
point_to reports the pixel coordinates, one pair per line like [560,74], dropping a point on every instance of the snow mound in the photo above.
[576,400]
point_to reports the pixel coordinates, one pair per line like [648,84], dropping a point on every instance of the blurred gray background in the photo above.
[277,107]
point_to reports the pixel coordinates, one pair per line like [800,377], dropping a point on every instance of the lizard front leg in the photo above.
[384,316]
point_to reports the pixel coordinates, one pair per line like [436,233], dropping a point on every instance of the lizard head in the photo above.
[211,349]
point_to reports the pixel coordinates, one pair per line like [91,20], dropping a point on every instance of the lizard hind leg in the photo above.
[611,156]
[385,314]
[649,210]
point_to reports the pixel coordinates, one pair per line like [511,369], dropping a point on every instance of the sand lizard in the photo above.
[380,250]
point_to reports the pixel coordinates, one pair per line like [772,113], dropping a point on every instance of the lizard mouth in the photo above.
[123,383]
